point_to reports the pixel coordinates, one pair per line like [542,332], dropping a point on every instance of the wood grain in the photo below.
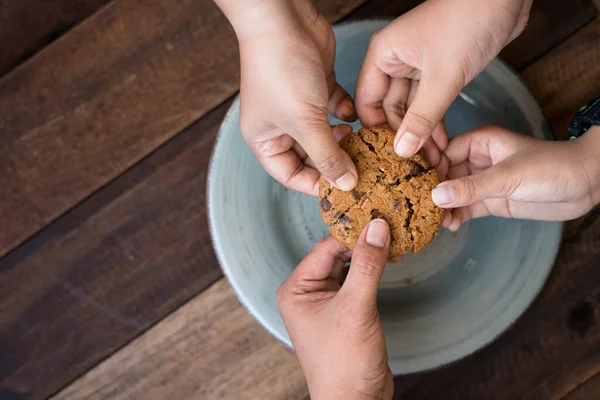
[26,26]
[589,390]
[132,252]
[575,61]
[109,269]
[210,348]
[111,91]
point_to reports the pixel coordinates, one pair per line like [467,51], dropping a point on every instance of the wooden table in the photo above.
[109,287]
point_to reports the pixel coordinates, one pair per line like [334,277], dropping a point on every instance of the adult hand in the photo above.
[288,87]
[494,171]
[335,328]
[417,65]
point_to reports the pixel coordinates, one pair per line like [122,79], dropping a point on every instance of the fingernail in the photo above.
[407,144]
[346,182]
[347,112]
[442,195]
[377,233]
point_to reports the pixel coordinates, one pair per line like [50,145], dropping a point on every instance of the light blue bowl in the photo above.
[438,306]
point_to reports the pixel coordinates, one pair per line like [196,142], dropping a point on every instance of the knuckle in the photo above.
[425,123]
[281,296]
[375,37]
[467,188]
[329,164]
[368,263]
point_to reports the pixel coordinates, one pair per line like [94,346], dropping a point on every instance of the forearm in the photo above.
[334,393]
[257,17]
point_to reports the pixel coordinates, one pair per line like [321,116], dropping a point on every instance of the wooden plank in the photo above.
[547,27]
[26,26]
[111,91]
[555,346]
[120,260]
[210,348]
[109,269]
[575,61]
[589,390]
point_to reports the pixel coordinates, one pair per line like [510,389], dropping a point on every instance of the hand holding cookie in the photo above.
[335,328]
[494,171]
[417,65]
[288,87]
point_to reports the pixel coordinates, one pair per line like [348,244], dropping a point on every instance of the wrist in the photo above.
[335,393]
[258,18]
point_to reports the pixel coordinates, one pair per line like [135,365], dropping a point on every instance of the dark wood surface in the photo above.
[26,26]
[588,390]
[112,252]
[111,91]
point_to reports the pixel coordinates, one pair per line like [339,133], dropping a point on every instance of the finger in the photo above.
[443,167]
[521,21]
[395,259]
[340,104]
[368,261]
[499,181]
[432,153]
[322,261]
[414,85]
[341,131]
[447,218]
[463,214]
[289,170]
[317,139]
[433,97]
[440,135]
[477,143]
[371,87]
[395,101]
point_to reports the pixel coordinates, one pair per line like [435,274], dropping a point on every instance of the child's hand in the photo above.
[288,87]
[335,328]
[416,66]
[494,171]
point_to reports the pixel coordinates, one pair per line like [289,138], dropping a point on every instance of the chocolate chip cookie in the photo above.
[390,187]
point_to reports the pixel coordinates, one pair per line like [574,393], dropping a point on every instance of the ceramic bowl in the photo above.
[437,306]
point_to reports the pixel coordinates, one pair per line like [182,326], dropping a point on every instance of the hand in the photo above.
[288,86]
[417,65]
[335,328]
[494,171]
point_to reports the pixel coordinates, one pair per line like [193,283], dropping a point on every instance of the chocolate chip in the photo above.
[337,214]
[325,204]
[374,213]
[356,195]
[345,220]
[415,169]
[395,204]
[371,147]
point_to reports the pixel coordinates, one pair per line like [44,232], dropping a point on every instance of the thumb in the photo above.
[494,182]
[317,139]
[368,261]
[434,96]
